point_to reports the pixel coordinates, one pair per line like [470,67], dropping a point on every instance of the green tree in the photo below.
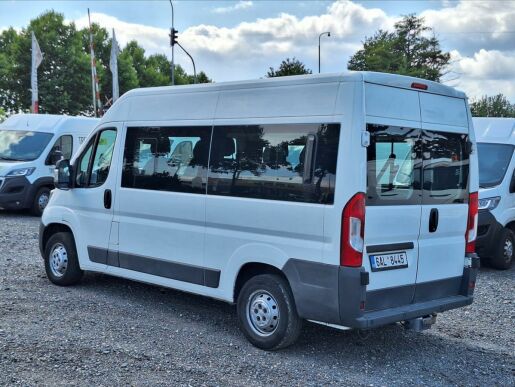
[493,106]
[3,115]
[288,67]
[406,51]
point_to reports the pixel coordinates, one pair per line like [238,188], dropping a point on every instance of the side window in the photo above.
[291,162]
[166,158]
[446,167]
[393,166]
[103,156]
[94,164]
[64,144]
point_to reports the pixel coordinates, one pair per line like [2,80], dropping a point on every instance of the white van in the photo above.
[495,142]
[30,145]
[255,193]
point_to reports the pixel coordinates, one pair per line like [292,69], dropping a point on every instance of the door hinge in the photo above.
[365,138]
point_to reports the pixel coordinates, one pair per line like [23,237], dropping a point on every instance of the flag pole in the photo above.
[37,57]
[97,103]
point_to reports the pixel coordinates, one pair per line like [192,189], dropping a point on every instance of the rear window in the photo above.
[413,166]
[494,160]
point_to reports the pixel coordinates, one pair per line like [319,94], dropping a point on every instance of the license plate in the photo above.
[388,261]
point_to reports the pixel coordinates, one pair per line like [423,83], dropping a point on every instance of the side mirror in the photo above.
[55,156]
[62,175]
[512,183]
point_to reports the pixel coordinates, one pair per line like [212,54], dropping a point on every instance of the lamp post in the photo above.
[319,36]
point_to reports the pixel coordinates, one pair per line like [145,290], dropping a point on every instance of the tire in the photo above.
[40,201]
[268,298]
[61,261]
[503,256]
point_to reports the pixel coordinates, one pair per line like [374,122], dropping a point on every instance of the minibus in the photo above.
[343,199]
[495,143]
[30,145]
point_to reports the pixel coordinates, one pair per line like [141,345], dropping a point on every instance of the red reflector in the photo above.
[472,284]
[470,235]
[421,86]
[362,305]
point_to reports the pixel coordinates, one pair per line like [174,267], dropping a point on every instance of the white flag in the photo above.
[113,64]
[37,58]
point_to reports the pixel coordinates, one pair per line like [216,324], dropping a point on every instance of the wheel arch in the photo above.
[47,231]
[252,269]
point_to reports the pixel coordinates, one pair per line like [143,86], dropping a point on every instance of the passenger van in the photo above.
[495,142]
[348,200]
[30,145]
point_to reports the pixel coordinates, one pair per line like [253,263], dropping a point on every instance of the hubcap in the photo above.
[508,249]
[262,313]
[43,201]
[58,260]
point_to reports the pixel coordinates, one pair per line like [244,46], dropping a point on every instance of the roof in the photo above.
[48,122]
[320,87]
[394,80]
[496,130]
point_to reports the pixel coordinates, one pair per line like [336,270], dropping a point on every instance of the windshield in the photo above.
[22,145]
[493,163]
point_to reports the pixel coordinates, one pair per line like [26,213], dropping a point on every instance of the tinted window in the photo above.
[294,162]
[64,144]
[95,161]
[399,159]
[494,160]
[21,145]
[166,158]
[445,167]
[393,159]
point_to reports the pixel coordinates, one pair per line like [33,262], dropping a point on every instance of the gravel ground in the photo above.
[109,331]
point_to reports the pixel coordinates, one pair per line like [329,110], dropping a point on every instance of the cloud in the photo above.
[486,72]
[471,25]
[236,7]
[483,57]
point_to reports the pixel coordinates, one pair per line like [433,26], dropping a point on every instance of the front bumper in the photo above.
[14,193]
[488,234]
[338,295]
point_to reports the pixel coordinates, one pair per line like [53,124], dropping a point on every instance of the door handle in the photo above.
[108,198]
[433,220]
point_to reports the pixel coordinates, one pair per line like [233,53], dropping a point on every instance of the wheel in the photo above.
[61,261]
[267,313]
[503,257]
[40,201]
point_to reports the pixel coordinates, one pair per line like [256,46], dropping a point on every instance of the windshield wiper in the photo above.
[10,159]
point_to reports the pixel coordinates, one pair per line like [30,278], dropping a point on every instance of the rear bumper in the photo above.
[488,234]
[338,295]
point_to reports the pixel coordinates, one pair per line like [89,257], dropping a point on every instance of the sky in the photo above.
[234,40]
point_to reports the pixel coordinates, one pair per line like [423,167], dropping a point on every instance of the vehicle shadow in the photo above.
[388,349]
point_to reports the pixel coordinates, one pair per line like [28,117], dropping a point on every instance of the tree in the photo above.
[406,51]
[3,115]
[493,106]
[289,67]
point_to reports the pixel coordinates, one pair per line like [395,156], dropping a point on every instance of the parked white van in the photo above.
[256,192]
[30,145]
[495,142]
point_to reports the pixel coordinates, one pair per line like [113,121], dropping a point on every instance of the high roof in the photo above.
[46,122]
[497,130]
[393,80]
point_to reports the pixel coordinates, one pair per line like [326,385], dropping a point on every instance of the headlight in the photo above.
[489,203]
[22,172]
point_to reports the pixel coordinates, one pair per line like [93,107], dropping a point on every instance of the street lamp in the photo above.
[172,67]
[319,36]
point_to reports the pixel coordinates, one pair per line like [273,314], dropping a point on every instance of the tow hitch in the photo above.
[420,324]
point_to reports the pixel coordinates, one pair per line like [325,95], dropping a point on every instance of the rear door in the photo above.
[445,178]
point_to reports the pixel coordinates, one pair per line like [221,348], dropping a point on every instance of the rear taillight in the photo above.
[420,86]
[353,231]
[470,236]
